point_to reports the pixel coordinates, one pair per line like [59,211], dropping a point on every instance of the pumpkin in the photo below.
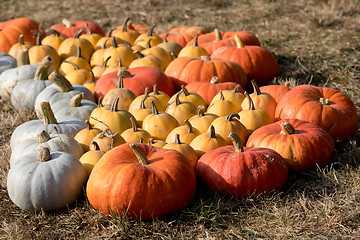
[122,51]
[181,110]
[276,91]
[78,76]
[325,107]
[86,135]
[135,79]
[183,148]
[235,95]
[182,35]
[46,181]
[261,100]
[147,61]
[55,143]
[69,47]
[241,172]
[230,123]
[24,93]
[141,112]
[163,97]
[126,96]
[90,159]
[67,125]
[188,96]
[173,48]
[6,62]
[54,40]
[66,66]
[205,142]
[164,56]
[156,143]
[222,107]
[202,120]
[97,58]
[303,145]
[134,133]
[193,50]
[117,120]
[145,99]
[143,39]
[124,34]
[258,63]
[184,70]
[60,90]
[77,106]
[98,70]
[92,37]
[115,68]
[134,28]
[20,45]
[70,28]
[187,133]
[208,90]
[159,124]
[106,140]
[248,38]
[165,180]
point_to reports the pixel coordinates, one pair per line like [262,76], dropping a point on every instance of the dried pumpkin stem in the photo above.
[78,33]
[124,29]
[67,23]
[205,58]
[114,104]
[251,103]
[43,154]
[141,140]
[177,99]
[76,67]
[217,35]
[114,43]
[48,114]
[75,101]
[42,137]
[154,110]
[151,31]
[88,30]
[214,80]
[139,154]
[212,133]
[121,82]
[201,110]
[184,90]
[256,87]
[324,101]
[125,73]
[239,43]
[231,116]
[148,44]
[155,91]
[236,88]
[238,145]
[42,71]
[177,139]
[61,82]
[188,125]
[287,128]
[133,124]
[22,57]
[196,41]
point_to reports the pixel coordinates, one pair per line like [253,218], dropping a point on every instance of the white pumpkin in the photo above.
[62,89]
[56,143]
[6,62]
[67,125]
[76,106]
[44,181]
[24,93]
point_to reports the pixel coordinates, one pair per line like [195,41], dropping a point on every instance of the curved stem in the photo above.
[75,101]
[125,73]
[238,145]
[88,30]
[114,104]
[239,43]
[114,43]
[177,99]
[184,90]
[76,67]
[188,125]
[133,124]
[251,103]
[154,110]
[231,116]
[201,110]
[151,31]
[165,38]
[177,139]
[124,29]
[148,44]
[121,82]
[78,33]
[38,39]
[256,87]
[236,88]
[42,70]
[53,32]
[155,91]
[61,82]
[196,43]
[139,154]
[212,133]
[48,114]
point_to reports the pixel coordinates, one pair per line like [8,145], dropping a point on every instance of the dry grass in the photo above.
[316,41]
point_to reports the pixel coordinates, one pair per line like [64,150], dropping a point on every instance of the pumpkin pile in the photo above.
[135,118]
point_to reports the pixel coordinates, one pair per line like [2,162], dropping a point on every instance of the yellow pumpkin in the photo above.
[86,135]
[134,134]
[187,133]
[208,141]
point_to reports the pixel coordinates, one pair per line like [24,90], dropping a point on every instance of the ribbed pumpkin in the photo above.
[276,91]
[147,61]
[185,70]
[78,76]
[92,37]
[222,107]
[54,39]
[143,39]
[20,45]
[78,59]
[70,28]
[325,107]
[133,134]
[86,135]
[163,97]
[124,34]
[122,51]
[193,50]
[90,159]
[235,95]
[242,172]
[135,79]
[188,96]
[165,180]
[172,48]
[303,145]
[258,63]
[126,96]
[187,133]
[202,120]
[145,99]
[106,140]
[181,110]
[182,35]
[141,112]
[158,52]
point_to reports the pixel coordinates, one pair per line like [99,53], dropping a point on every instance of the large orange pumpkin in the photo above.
[69,28]
[141,181]
[325,107]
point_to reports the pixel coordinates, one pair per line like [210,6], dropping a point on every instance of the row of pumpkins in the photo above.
[122,148]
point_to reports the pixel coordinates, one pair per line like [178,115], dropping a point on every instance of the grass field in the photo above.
[316,41]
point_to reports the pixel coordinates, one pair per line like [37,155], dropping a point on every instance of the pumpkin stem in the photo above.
[78,33]
[212,133]
[42,70]
[22,57]
[61,82]
[124,29]
[184,90]
[324,101]
[94,146]
[139,154]
[177,139]
[76,67]
[67,23]
[139,54]
[251,103]
[287,128]
[42,137]
[114,43]
[125,73]
[148,44]
[238,145]
[231,116]
[155,91]
[155,111]
[151,31]
[114,104]
[201,110]
[196,43]
[141,140]
[239,43]
[150,141]
[121,82]
[205,58]
[214,80]
[222,95]
[287,84]
[236,88]
[48,114]
[99,102]
[142,102]
[75,101]
[217,35]
[133,124]
[88,125]
[177,99]
[78,53]
[38,39]
[21,40]
[88,30]
[53,32]
[106,61]
[256,87]
[43,154]
[166,36]
[188,125]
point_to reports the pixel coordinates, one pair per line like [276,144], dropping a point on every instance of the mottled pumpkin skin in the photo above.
[120,184]
[339,117]
[310,146]
[254,171]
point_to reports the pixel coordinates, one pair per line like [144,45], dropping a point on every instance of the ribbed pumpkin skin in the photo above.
[258,63]
[76,26]
[142,77]
[308,147]
[276,91]
[256,170]
[119,183]
[339,118]
[182,35]
[185,70]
